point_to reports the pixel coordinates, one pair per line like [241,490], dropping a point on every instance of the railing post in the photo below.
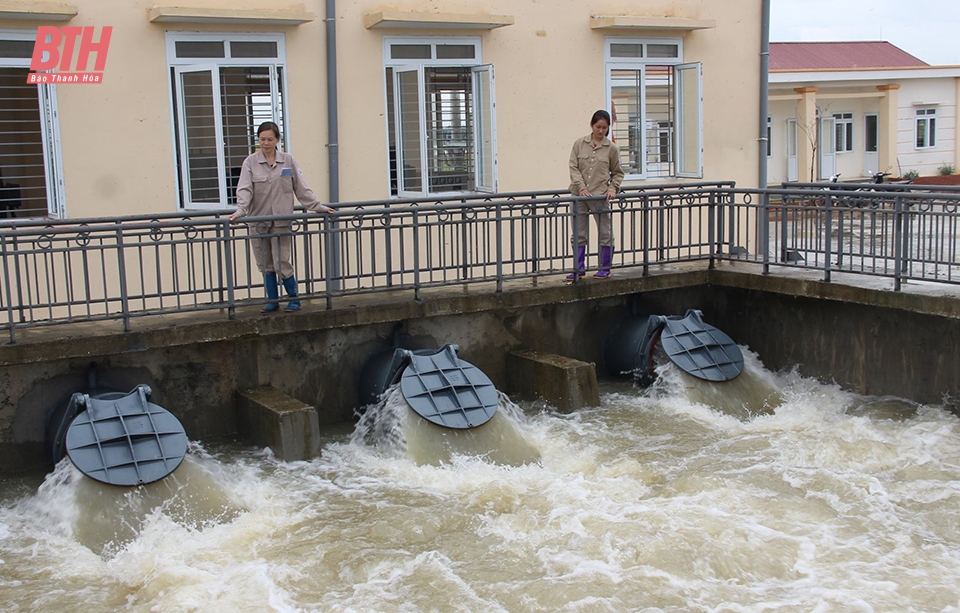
[6,285]
[20,285]
[416,255]
[122,271]
[307,277]
[388,244]
[227,247]
[711,233]
[535,239]
[828,248]
[784,210]
[645,232]
[334,250]
[464,241]
[661,228]
[722,228]
[328,269]
[499,222]
[899,244]
[218,290]
[572,235]
[764,222]
[728,215]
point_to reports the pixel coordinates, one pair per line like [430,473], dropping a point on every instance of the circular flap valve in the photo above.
[447,391]
[126,440]
[700,349]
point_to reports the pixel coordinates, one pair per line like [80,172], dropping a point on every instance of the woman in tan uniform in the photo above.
[595,171]
[268,181]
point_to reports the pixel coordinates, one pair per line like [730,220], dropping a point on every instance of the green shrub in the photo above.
[911,174]
[946,169]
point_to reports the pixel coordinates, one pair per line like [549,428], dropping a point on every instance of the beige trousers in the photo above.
[600,210]
[273,248]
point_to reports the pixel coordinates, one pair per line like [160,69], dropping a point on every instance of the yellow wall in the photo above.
[117,137]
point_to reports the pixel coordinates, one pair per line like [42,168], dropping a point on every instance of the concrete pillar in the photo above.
[887,124]
[807,130]
[562,382]
[269,418]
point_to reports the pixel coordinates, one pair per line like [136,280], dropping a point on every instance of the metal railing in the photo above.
[879,230]
[56,272]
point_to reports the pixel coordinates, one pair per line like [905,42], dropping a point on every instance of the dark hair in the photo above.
[601,114]
[269,125]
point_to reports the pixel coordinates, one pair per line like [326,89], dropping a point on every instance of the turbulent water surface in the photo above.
[774,493]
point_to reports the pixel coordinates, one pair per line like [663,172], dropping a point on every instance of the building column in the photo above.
[887,125]
[956,135]
[807,130]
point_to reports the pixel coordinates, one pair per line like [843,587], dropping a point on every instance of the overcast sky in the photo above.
[927,29]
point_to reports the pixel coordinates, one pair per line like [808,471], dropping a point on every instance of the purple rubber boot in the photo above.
[581,265]
[606,258]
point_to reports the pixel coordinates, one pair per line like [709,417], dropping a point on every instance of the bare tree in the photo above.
[812,131]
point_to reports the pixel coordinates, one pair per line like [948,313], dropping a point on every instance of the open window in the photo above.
[440,117]
[656,105]
[689,133]
[223,88]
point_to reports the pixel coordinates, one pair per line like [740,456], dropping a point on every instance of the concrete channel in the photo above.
[279,379]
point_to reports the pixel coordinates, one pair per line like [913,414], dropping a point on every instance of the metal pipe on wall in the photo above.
[764,90]
[333,138]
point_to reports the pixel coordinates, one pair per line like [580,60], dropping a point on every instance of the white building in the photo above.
[856,108]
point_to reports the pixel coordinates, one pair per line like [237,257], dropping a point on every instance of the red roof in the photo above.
[839,55]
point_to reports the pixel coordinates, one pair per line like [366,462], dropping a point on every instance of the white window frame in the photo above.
[827,149]
[925,116]
[792,143]
[484,132]
[199,64]
[49,125]
[680,154]
[843,132]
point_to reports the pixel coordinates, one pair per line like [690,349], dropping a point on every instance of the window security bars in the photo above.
[29,160]
[55,272]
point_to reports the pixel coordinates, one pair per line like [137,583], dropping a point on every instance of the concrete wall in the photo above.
[874,342]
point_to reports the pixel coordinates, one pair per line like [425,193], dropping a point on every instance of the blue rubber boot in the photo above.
[273,292]
[581,265]
[290,284]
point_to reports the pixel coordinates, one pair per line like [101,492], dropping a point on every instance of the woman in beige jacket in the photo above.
[595,171]
[268,181]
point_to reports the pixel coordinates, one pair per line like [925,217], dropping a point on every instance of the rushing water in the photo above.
[775,494]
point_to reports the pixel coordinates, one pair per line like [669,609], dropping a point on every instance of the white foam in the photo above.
[823,501]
